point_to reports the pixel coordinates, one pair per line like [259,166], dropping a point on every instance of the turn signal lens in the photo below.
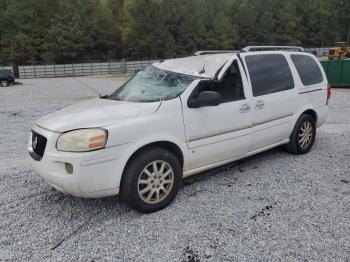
[82,140]
[97,141]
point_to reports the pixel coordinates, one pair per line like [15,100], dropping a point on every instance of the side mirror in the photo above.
[206,98]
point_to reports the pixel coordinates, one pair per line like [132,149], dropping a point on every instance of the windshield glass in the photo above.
[152,84]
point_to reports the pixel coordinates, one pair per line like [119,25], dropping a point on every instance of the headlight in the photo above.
[82,140]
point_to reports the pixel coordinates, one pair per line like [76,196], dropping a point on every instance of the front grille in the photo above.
[38,144]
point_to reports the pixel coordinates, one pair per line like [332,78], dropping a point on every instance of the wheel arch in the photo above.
[171,146]
[307,110]
[310,112]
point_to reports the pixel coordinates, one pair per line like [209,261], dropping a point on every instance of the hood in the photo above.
[95,113]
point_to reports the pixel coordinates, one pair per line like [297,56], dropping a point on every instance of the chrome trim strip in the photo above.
[284,122]
[270,120]
[208,144]
[315,90]
[223,132]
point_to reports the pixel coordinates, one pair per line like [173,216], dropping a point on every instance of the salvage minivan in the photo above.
[179,117]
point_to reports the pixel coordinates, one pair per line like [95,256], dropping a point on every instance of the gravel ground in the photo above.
[272,206]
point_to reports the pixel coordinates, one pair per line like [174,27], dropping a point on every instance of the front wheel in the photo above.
[303,135]
[4,83]
[151,180]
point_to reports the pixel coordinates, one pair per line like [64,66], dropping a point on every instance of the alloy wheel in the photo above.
[305,135]
[3,83]
[155,182]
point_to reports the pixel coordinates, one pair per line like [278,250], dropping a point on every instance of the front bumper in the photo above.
[95,174]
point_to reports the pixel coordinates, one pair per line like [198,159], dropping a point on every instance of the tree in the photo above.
[245,17]
[144,29]
[46,31]
[220,31]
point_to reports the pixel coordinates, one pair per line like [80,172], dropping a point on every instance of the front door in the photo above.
[222,132]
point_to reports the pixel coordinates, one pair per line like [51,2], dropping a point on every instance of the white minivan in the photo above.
[179,117]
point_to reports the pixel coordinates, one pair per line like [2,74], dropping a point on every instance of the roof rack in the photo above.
[210,52]
[271,47]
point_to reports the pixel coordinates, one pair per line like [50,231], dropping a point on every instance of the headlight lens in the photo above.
[82,140]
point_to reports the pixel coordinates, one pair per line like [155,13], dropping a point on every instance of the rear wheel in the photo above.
[4,82]
[151,180]
[303,135]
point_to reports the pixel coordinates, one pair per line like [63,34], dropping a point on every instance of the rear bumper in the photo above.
[95,174]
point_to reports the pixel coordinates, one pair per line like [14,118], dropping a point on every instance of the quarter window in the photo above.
[269,73]
[308,70]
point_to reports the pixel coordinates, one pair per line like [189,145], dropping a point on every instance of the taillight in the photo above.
[329,93]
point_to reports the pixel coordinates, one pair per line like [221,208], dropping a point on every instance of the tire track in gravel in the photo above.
[76,230]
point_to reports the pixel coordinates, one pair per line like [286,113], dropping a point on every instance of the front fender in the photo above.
[165,125]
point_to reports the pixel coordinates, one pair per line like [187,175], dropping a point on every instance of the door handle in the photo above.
[259,104]
[244,108]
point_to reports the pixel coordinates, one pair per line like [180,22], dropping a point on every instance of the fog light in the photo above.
[69,168]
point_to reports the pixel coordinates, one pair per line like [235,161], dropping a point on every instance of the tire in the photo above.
[303,135]
[4,82]
[140,181]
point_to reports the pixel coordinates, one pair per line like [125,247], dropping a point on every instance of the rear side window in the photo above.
[308,70]
[269,74]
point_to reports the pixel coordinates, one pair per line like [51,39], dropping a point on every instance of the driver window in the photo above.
[230,87]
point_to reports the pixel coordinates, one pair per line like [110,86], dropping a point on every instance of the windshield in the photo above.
[152,84]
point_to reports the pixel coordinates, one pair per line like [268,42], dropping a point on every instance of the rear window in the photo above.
[308,70]
[269,73]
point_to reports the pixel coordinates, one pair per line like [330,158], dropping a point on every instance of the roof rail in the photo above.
[208,52]
[271,47]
